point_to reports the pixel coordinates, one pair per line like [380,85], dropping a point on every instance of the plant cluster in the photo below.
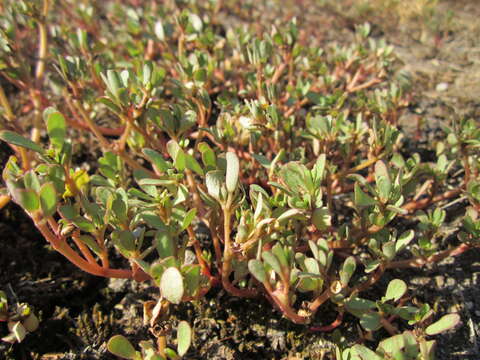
[287,154]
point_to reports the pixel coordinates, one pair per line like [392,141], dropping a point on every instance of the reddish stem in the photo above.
[336,323]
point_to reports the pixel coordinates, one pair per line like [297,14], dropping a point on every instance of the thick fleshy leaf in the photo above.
[208,155]
[164,242]
[120,346]
[125,240]
[272,260]
[287,215]
[177,154]
[395,290]
[192,276]
[28,199]
[370,321]
[56,126]
[321,218]
[447,322]
[403,240]
[347,271]
[192,164]
[19,331]
[171,285]
[382,179]
[48,199]
[184,337]
[257,270]
[280,254]
[31,323]
[361,198]
[404,344]
[187,220]
[157,159]
[363,353]
[91,243]
[214,180]
[359,304]
[233,168]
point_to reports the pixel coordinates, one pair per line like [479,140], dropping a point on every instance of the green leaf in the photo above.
[272,260]
[361,198]
[56,126]
[118,345]
[208,155]
[187,220]
[19,331]
[200,75]
[262,160]
[403,240]
[110,104]
[177,155]
[348,269]
[382,179]
[147,73]
[364,353]
[233,168]
[196,22]
[318,170]
[257,269]
[279,253]
[125,240]
[112,81]
[184,337]
[15,139]
[395,290]
[294,176]
[192,164]
[214,180]
[164,243]
[159,31]
[359,304]
[388,250]
[171,285]
[312,266]
[156,159]
[321,218]
[370,321]
[48,199]
[289,214]
[401,346]
[192,275]
[68,211]
[91,243]
[31,181]
[28,199]
[31,323]
[447,322]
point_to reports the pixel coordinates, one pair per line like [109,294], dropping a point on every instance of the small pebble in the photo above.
[469,305]
[117,285]
[441,86]
[440,281]
[450,281]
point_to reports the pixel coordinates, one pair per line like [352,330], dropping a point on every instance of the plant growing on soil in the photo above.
[120,346]
[288,156]
[20,320]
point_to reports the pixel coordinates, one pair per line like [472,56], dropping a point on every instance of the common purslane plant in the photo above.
[287,154]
